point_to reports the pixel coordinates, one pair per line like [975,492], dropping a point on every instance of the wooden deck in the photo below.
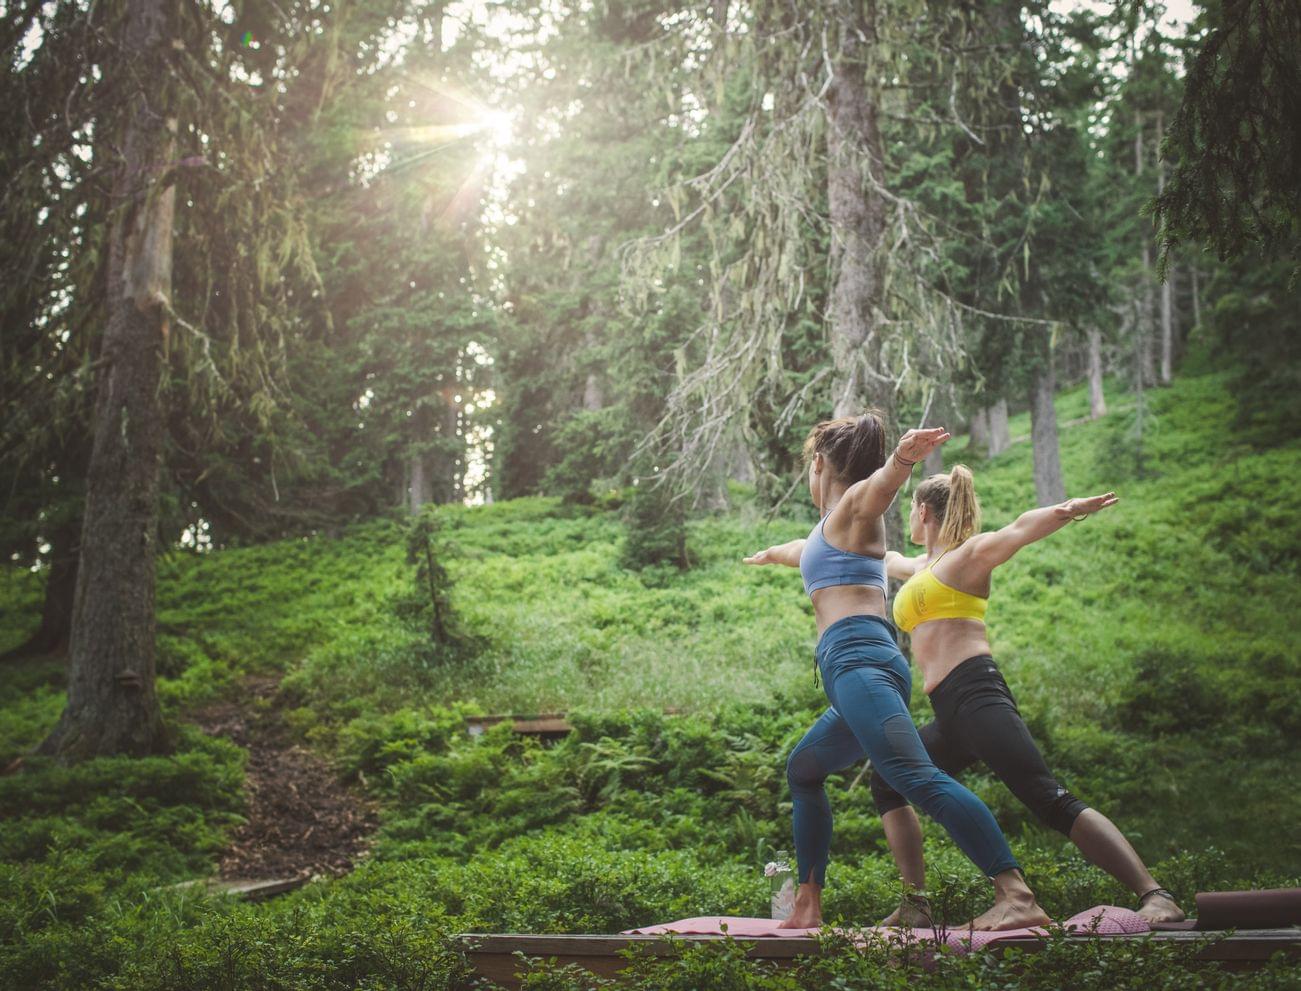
[493,955]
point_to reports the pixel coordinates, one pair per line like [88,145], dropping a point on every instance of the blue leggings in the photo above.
[868,683]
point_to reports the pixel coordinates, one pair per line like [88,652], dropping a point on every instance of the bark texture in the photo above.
[978,431]
[112,706]
[1048,484]
[1167,284]
[1097,400]
[854,153]
[858,222]
[1000,434]
[1145,324]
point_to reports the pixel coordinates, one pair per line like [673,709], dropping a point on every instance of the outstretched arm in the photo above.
[872,496]
[902,568]
[787,554]
[992,549]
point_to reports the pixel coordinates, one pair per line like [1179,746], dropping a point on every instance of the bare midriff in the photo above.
[942,644]
[837,602]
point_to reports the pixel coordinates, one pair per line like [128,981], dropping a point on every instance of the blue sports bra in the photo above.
[822,565]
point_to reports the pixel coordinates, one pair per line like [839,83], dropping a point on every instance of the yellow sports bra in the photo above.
[924,598]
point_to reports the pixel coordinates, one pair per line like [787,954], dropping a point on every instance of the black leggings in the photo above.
[976,719]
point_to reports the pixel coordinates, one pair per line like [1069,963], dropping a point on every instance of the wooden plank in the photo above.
[249,890]
[493,954]
[544,724]
[256,890]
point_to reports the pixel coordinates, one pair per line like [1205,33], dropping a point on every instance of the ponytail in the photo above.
[854,446]
[952,498]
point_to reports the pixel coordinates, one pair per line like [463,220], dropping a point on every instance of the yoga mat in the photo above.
[1272,908]
[1106,920]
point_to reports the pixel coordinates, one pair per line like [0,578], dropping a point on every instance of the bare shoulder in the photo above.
[975,560]
[901,567]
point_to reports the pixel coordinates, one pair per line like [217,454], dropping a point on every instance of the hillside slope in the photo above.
[1150,647]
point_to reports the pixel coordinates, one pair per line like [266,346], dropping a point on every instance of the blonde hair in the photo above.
[952,498]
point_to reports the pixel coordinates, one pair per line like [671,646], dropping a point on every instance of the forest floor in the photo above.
[301,819]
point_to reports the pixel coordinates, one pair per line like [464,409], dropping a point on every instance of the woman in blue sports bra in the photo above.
[865,677]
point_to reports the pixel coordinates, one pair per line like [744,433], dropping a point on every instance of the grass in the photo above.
[1150,648]
[1158,631]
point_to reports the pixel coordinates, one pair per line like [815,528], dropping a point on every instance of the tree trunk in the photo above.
[418,493]
[740,465]
[978,432]
[1097,401]
[60,592]
[1197,299]
[419,468]
[1000,435]
[1146,321]
[593,394]
[854,152]
[1167,326]
[1167,288]
[446,468]
[934,463]
[112,706]
[1048,485]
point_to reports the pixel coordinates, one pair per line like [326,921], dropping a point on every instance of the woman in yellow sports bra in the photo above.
[942,604]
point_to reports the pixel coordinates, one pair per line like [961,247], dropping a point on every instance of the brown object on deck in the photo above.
[1218,910]
[493,955]
[549,726]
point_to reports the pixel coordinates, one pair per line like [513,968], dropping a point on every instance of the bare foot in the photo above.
[913,913]
[807,913]
[1011,913]
[1160,907]
[802,920]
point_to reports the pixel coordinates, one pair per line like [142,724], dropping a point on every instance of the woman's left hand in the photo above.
[1077,509]
[914,445]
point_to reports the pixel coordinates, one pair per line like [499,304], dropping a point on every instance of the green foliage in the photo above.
[1252,326]
[657,531]
[427,604]
[159,816]
[1237,164]
[1145,696]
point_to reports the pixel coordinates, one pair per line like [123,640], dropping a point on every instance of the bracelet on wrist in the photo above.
[903,461]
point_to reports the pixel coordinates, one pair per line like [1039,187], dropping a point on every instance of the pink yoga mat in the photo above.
[1106,920]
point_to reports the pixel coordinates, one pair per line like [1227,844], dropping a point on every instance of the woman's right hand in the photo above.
[762,557]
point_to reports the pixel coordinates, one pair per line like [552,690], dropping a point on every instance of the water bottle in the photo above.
[781,882]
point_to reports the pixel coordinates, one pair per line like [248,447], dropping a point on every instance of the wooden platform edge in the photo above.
[494,954]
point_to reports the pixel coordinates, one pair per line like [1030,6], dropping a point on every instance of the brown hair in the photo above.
[952,498]
[854,445]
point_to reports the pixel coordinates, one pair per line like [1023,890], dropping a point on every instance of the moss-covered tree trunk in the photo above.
[855,157]
[855,160]
[112,706]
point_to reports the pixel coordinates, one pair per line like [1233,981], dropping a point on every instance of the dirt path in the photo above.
[302,820]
